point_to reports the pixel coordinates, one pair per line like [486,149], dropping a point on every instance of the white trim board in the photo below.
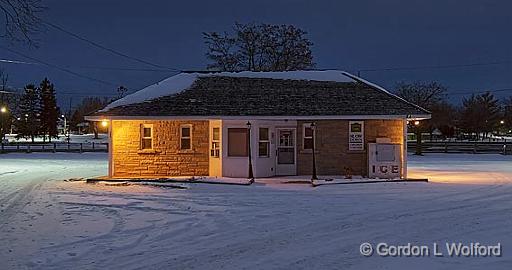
[255,117]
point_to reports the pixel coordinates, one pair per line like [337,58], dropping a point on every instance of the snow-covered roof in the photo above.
[183,81]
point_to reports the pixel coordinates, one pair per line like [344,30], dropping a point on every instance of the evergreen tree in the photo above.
[49,110]
[30,113]
[507,113]
[480,114]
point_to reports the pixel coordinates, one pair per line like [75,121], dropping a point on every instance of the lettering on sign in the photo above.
[356,135]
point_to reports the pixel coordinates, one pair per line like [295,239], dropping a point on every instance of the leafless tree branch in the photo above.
[21,20]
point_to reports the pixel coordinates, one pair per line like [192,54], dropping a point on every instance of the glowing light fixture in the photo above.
[416,123]
[104,123]
[3,109]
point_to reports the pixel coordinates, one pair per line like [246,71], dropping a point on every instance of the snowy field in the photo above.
[84,138]
[47,223]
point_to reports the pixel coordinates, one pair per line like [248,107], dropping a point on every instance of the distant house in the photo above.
[203,124]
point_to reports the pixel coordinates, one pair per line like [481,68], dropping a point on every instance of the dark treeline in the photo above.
[479,115]
[33,112]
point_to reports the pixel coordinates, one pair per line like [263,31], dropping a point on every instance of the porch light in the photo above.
[416,123]
[502,122]
[3,109]
[104,123]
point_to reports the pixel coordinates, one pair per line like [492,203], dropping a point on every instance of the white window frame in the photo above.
[304,126]
[142,137]
[267,141]
[215,151]
[189,126]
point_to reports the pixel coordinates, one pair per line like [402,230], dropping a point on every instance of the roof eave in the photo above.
[259,117]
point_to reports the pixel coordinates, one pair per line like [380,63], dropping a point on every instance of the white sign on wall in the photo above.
[356,135]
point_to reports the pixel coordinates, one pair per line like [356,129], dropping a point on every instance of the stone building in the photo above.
[216,124]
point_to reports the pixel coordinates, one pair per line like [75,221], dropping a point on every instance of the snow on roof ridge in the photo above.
[183,81]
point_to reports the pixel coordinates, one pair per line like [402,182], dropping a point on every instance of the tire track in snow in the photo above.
[17,200]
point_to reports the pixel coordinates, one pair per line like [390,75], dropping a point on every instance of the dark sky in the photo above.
[347,35]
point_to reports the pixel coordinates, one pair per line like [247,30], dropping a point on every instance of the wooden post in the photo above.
[54,147]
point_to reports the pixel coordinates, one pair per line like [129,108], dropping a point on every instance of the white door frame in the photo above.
[286,169]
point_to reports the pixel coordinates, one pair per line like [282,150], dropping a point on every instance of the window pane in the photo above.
[263,149]
[146,132]
[308,132]
[286,138]
[185,132]
[216,134]
[237,142]
[185,143]
[263,134]
[215,145]
[308,143]
[146,144]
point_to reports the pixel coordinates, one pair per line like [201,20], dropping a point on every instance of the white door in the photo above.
[286,159]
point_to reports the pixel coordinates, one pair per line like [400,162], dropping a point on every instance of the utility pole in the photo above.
[69,115]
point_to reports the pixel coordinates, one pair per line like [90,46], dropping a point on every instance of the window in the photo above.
[146,141]
[186,137]
[264,143]
[237,142]
[215,150]
[307,139]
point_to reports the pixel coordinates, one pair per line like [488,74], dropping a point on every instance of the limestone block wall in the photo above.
[165,159]
[332,154]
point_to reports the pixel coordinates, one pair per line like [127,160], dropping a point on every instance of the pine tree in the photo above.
[30,113]
[49,110]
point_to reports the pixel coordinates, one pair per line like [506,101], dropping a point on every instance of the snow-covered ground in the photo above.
[47,223]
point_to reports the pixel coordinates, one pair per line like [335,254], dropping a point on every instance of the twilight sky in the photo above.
[347,35]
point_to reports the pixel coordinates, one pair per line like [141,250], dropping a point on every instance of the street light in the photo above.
[65,123]
[3,110]
[251,175]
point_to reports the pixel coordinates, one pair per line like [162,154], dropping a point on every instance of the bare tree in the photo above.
[21,19]
[121,92]
[221,50]
[259,47]
[5,113]
[425,95]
